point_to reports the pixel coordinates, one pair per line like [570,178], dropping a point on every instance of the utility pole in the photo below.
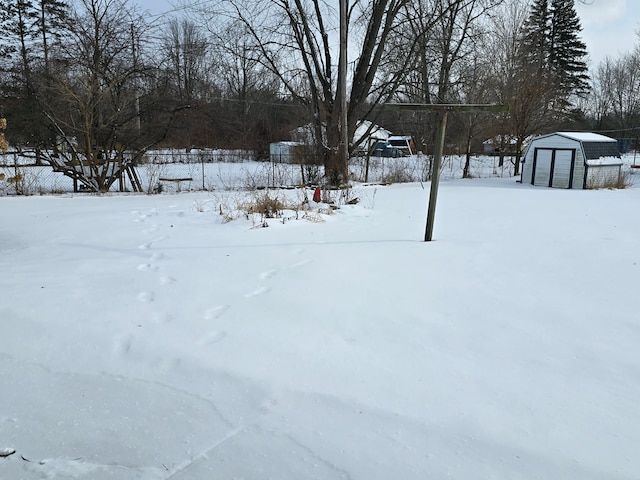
[442,111]
[136,94]
[343,146]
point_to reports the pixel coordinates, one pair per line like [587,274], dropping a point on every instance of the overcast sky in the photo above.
[609,26]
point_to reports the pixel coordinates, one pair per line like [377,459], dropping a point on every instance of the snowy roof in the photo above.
[306,133]
[377,132]
[287,142]
[587,137]
[604,161]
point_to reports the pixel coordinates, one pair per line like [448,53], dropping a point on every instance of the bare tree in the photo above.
[474,88]
[296,41]
[624,91]
[248,88]
[614,101]
[185,48]
[599,102]
[456,35]
[92,96]
[516,82]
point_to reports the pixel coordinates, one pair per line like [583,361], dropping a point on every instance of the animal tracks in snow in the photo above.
[143,267]
[156,281]
[212,337]
[166,280]
[301,263]
[269,274]
[152,265]
[122,344]
[148,245]
[215,312]
[146,297]
[150,230]
[258,291]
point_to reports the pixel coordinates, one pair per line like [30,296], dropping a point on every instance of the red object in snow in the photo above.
[317,196]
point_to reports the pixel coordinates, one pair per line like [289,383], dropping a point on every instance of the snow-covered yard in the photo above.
[232,171]
[142,338]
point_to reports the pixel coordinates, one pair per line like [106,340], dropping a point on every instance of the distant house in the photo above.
[403,142]
[368,134]
[365,135]
[574,160]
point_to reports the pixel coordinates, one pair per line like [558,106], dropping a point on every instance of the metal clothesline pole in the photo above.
[442,111]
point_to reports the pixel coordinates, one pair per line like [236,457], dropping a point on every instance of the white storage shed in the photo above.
[572,160]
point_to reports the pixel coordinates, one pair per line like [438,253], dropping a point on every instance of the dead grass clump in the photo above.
[398,173]
[265,205]
[261,207]
[622,181]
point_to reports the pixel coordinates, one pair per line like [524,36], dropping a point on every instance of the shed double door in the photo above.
[553,167]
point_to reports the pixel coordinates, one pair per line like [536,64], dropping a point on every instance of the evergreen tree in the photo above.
[567,50]
[552,50]
[534,49]
[6,46]
[52,15]
[23,24]
[27,28]
[17,35]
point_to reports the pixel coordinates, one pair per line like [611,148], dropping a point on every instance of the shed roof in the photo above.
[594,145]
[587,137]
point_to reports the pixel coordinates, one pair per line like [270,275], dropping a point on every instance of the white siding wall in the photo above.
[551,142]
[579,171]
[599,176]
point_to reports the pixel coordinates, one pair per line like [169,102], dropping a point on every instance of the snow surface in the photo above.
[142,338]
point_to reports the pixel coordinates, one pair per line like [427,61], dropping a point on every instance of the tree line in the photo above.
[245,73]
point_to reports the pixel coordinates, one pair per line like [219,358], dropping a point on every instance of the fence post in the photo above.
[202,161]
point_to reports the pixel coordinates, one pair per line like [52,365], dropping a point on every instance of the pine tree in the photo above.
[27,27]
[567,50]
[551,48]
[536,32]
[23,23]
[52,15]
[17,35]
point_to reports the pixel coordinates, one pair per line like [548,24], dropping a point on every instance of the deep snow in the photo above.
[142,338]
